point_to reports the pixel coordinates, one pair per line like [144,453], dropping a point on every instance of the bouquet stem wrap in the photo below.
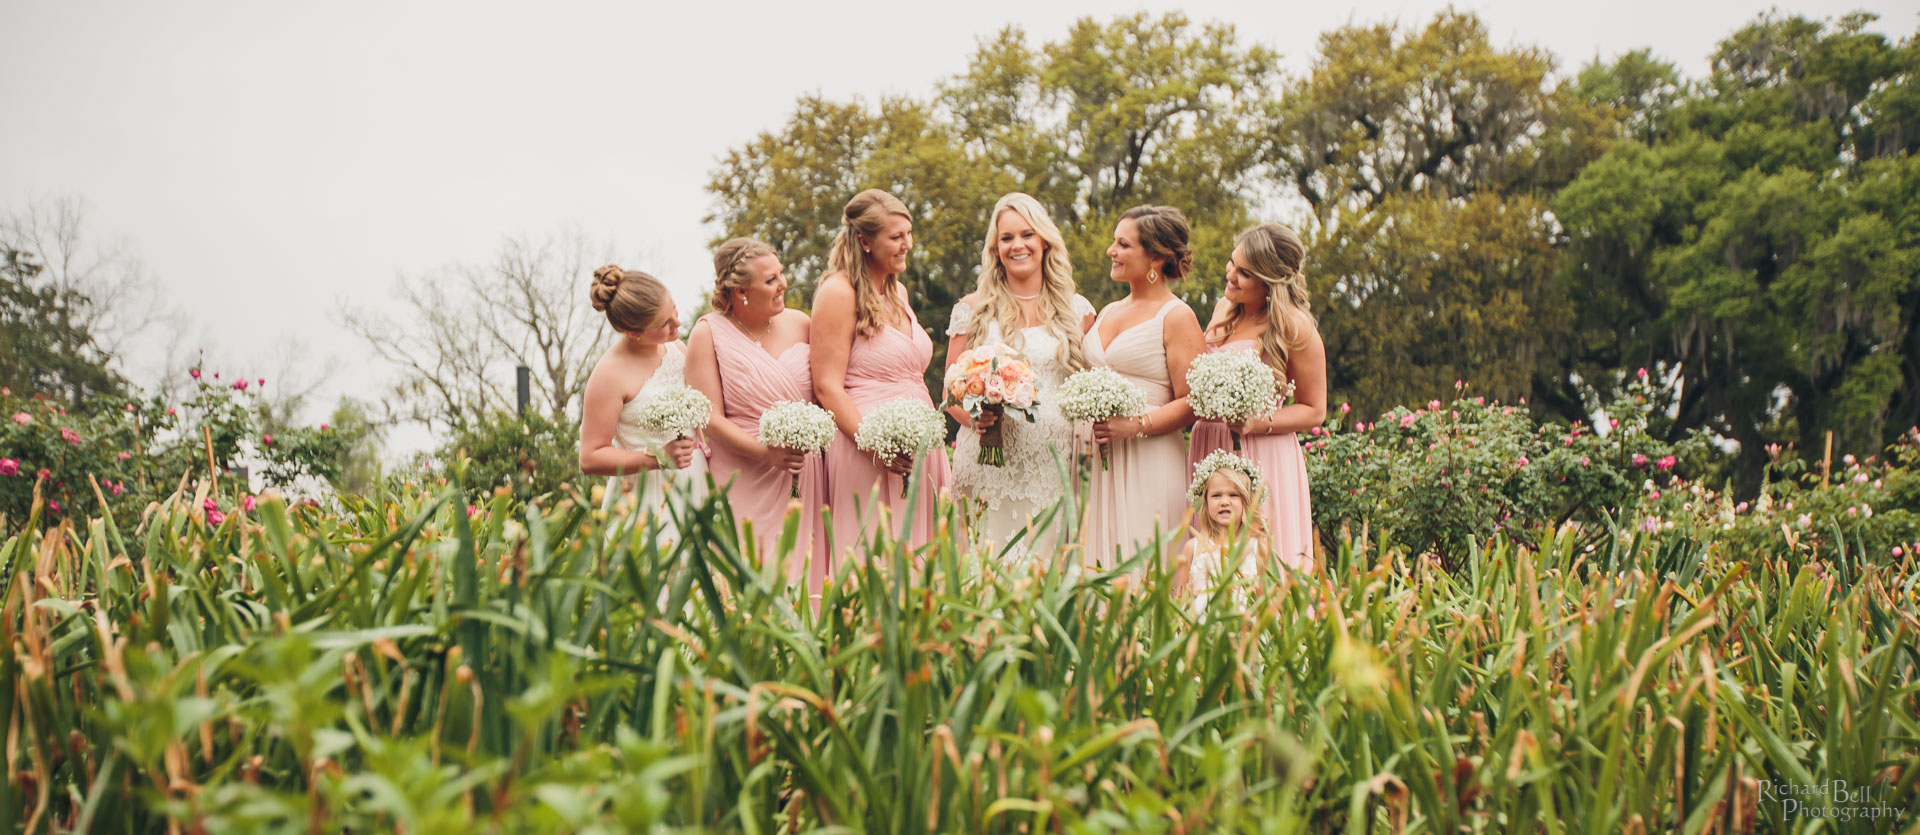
[993,444]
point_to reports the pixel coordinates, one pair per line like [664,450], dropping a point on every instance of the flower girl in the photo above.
[1226,493]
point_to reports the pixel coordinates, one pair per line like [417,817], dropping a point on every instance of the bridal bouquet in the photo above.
[991,379]
[1100,394]
[675,412]
[1231,387]
[791,424]
[900,427]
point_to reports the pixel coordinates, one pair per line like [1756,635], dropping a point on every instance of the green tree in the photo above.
[1763,252]
[1425,157]
[45,345]
[1136,110]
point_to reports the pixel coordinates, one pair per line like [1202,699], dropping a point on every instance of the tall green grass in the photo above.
[402,665]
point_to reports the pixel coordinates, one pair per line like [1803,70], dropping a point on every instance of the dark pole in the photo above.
[523,387]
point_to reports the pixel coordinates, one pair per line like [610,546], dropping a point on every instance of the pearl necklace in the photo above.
[1026,298]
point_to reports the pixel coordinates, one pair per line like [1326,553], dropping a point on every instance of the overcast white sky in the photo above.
[268,161]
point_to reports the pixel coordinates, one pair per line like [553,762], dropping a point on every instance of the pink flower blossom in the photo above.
[1666,462]
[215,517]
[210,505]
[125,455]
[9,467]
[1584,461]
[130,407]
[119,487]
[43,474]
[1407,420]
[1803,521]
[1344,408]
[1860,478]
[1740,508]
[247,503]
[1642,374]
[1653,496]
[1316,431]
[1639,460]
[1650,525]
[1613,423]
[69,436]
[323,427]
[1433,405]
[268,439]
[1897,552]
[171,412]
[216,375]
[1773,450]
[1479,401]
[472,510]
[1521,461]
[22,418]
[1569,441]
[240,385]
[194,373]
[53,507]
[261,381]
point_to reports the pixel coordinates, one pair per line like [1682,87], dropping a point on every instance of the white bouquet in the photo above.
[900,427]
[1099,394]
[1231,387]
[675,412]
[791,424]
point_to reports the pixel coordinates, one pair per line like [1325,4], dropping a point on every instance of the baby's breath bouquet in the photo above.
[1100,394]
[676,412]
[1231,387]
[900,427]
[792,424]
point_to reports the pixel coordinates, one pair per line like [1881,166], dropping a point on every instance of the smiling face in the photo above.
[1019,246]
[1224,503]
[1129,261]
[887,251]
[665,327]
[1244,288]
[766,287]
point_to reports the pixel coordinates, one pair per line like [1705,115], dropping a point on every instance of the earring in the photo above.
[1152,277]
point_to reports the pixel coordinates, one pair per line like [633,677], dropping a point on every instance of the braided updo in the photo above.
[1164,235]
[631,299]
[730,271]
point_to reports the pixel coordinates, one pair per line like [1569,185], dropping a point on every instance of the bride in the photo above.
[1025,300]
[646,359]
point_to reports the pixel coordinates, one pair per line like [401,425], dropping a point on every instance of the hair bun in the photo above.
[606,282]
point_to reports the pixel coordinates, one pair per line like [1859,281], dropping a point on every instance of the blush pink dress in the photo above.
[1288,506]
[888,365]
[750,381]
[1144,493]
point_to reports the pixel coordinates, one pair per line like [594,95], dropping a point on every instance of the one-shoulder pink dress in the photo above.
[751,380]
[1288,507]
[885,366]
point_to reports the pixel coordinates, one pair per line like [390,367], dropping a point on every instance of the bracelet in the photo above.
[1146,423]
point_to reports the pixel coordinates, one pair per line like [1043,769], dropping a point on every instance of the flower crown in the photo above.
[1218,460]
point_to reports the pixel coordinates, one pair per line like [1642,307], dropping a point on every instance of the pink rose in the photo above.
[215,517]
[247,503]
[53,507]
[22,418]
[1639,460]
[268,439]
[261,381]
[125,455]
[194,373]
[210,505]
[1584,461]
[1642,374]
[171,412]
[1344,408]
[1407,420]
[44,473]
[1665,463]
[70,436]
[9,467]
[323,427]
[1521,462]
[119,487]
[240,385]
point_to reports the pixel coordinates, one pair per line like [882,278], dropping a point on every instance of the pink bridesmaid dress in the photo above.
[885,366]
[750,381]
[1144,492]
[1288,508]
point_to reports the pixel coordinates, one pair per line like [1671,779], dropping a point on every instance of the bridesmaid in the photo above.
[1265,309]
[747,355]
[646,359]
[867,349]
[1149,337]
[1026,301]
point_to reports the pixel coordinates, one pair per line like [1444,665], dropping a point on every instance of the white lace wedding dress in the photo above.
[1017,493]
[654,485]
